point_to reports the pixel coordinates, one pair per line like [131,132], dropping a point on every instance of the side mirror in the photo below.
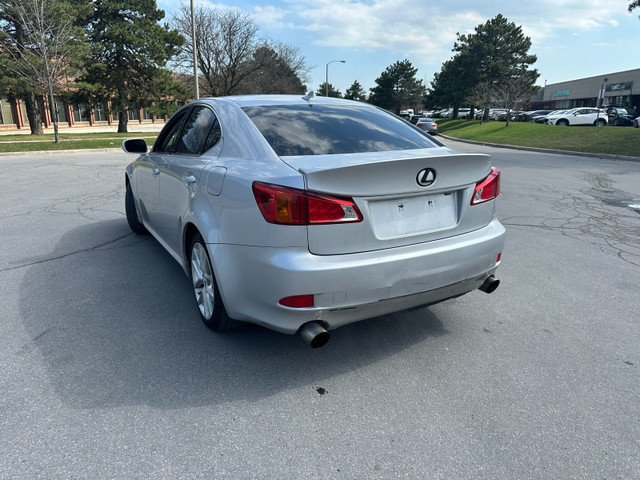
[135,145]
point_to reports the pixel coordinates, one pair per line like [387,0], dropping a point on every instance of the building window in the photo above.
[62,110]
[146,115]
[100,112]
[23,106]
[80,113]
[6,112]
[134,115]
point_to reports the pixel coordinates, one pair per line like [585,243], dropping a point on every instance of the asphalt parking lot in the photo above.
[109,373]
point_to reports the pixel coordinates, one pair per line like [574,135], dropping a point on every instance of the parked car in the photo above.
[427,124]
[495,114]
[619,116]
[545,118]
[636,122]
[303,214]
[579,116]
[533,115]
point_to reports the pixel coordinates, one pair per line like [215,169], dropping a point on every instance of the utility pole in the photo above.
[196,86]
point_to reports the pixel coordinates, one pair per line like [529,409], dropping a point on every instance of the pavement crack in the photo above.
[59,257]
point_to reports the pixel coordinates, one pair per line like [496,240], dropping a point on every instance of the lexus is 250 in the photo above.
[303,214]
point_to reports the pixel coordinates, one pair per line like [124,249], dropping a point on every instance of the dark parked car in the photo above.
[620,117]
[531,116]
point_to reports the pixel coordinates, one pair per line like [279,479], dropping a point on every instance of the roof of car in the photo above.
[263,100]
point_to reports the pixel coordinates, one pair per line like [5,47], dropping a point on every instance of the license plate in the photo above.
[413,215]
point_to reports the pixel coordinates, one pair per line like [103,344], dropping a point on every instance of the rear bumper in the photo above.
[351,287]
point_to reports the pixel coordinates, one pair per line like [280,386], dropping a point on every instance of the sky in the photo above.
[571,38]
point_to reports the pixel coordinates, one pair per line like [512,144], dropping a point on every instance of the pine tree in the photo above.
[398,86]
[355,92]
[130,49]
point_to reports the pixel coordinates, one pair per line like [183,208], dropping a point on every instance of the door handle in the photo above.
[189,179]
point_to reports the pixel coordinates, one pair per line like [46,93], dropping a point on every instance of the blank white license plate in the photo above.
[413,215]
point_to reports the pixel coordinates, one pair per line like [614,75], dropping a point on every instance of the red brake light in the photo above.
[487,189]
[292,206]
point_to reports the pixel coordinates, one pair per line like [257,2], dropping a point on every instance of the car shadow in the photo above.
[116,325]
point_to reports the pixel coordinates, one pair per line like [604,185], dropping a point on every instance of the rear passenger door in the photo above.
[182,173]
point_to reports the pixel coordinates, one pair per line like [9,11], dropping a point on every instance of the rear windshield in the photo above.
[330,129]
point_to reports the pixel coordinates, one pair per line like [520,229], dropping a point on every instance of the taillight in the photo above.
[487,189]
[292,206]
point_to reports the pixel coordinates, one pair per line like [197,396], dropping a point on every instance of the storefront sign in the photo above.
[562,93]
[616,87]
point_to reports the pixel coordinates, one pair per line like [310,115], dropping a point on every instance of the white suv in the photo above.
[579,116]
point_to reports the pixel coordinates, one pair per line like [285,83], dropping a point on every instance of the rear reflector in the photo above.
[499,257]
[297,301]
[292,206]
[487,189]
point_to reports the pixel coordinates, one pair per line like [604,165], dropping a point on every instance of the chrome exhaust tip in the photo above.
[489,285]
[314,334]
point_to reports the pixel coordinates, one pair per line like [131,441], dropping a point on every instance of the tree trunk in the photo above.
[123,119]
[33,114]
[54,115]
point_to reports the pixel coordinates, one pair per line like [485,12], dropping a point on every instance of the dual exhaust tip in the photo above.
[317,336]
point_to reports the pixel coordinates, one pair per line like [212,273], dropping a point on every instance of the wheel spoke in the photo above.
[202,277]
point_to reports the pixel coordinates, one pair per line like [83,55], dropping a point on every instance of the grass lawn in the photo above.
[69,141]
[611,140]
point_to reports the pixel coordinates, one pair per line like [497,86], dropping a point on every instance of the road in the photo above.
[107,371]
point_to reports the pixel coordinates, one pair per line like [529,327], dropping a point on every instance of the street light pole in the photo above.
[326,76]
[195,56]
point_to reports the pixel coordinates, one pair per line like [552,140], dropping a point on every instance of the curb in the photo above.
[545,150]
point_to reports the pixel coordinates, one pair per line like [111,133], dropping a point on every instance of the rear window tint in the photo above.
[329,129]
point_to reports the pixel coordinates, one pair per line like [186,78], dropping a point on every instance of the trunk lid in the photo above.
[405,197]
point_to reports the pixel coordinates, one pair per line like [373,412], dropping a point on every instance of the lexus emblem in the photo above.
[426,177]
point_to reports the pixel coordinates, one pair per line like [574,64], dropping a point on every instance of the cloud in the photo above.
[270,16]
[427,29]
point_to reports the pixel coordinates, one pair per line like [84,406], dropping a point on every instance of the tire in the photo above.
[132,216]
[563,123]
[205,287]
[600,122]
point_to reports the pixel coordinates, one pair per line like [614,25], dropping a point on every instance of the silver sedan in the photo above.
[303,214]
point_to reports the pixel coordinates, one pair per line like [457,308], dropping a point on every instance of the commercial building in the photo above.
[13,115]
[619,88]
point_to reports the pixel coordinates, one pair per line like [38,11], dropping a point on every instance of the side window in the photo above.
[214,135]
[166,142]
[196,131]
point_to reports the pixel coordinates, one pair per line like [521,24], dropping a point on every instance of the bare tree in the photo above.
[280,68]
[483,96]
[513,92]
[48,47]
[230,52]
[226,40]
